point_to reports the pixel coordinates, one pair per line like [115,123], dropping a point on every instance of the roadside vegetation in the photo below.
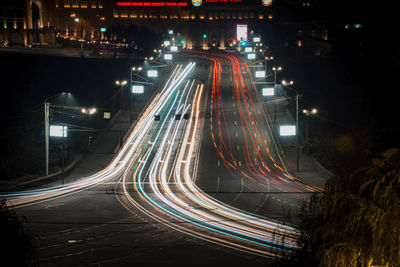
[356,221]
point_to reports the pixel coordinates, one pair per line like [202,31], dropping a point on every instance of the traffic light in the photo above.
[182,42]
[234,42]
[243,43]
[204,36]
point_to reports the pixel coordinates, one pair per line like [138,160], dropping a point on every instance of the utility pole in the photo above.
[131,95]
[298,131]
[46,134]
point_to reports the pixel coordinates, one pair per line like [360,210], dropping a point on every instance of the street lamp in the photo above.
[308,113]
[122,83]
[286,84]
[266,63]
[275,69]
[47,128]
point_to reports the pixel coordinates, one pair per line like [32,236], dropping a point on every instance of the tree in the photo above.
[356,222]
[18,245]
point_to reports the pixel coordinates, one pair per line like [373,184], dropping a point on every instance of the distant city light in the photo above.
[138,89]
[170,32]
[107,115]
[269,91]
[103,29]
[58,130]
[76,19]
[287,130]
[260,74]
[167,43]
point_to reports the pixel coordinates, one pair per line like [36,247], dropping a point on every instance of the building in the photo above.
[24,22]
[38,21]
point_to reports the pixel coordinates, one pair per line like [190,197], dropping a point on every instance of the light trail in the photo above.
[120,161]
[154,152]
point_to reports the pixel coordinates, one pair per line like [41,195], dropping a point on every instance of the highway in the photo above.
[203,184]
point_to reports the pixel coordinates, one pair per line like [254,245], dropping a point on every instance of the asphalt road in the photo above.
[181,192]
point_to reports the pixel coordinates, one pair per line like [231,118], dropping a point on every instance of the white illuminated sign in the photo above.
[138,89]
[287,130]
[170,32]
[174,48]
[58,130]
[268,91]
[241,32]
[167,43]
[152,73]
[248,49]
[251,56]
[168,57]
[256,39]
[260,73]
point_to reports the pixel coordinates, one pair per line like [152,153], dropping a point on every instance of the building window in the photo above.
[299,43]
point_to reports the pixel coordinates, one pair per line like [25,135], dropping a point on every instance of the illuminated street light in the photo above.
[266,63]
[47,128]
[286,83]
[275,69]
[89,111]
[313,111]
[121,82]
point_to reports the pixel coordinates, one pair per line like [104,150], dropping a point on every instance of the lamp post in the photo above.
[136,70]
[266,64]
[121,84]
[275,69]
[47,129]
[286,84]
[308,113]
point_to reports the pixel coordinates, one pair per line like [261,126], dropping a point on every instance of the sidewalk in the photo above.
[105,147]
[310,170]
[67,52]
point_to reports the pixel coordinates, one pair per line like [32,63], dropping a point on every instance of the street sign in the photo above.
[251,56]
[137,89]
[168,56]
[287,130]
[260,74]
[152,73]
[58,130]
[269,91]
